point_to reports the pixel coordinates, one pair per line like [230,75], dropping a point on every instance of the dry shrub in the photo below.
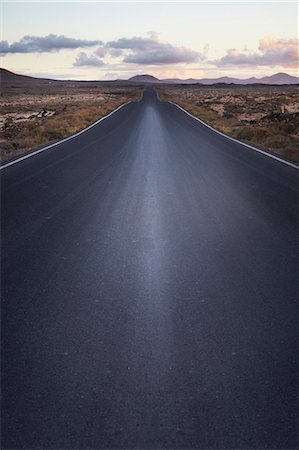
[277,131]
[77,113]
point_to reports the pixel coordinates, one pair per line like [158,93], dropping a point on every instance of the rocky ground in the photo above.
[35,112]
[267,116]
[30,119]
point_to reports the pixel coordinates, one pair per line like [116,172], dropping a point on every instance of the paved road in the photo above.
[149,290]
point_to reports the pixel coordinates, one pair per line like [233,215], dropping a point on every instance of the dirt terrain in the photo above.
[35,112]
[267,116]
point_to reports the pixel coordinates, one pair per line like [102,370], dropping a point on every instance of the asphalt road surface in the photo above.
[149,290]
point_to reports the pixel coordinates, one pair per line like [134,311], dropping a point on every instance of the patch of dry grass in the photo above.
[30,120]
[267,116]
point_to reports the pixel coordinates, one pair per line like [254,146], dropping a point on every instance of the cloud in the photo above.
[206,47]
[272,52]
[84,60]
[101,52]
[166,54]
[152,51]
[116,52]
[41,44]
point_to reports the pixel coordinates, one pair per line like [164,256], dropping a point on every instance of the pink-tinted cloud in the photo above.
[101,52]
[272,52]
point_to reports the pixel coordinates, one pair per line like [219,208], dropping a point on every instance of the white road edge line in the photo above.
[236,140]
[63,140]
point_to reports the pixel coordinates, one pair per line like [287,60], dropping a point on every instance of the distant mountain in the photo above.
[12,80]
[15,82]
[278,78]
[281,78]
[7,74]
[225,80]
[144,79]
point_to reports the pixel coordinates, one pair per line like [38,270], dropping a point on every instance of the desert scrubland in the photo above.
[38,113]
[267,116]
[35,111]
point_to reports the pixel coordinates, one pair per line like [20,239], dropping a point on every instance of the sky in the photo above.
[96,40]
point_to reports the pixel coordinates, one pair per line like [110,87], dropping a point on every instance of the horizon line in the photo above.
[46,77]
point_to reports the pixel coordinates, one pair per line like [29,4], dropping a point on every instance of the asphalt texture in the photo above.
[149,290]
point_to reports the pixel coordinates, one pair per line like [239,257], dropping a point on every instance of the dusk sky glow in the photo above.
[109,40]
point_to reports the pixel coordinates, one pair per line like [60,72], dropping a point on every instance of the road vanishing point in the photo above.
[149,290]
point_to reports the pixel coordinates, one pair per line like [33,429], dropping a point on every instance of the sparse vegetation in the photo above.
[267,116]
[36,115]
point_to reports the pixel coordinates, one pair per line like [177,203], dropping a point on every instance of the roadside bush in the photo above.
[52,134]
[275,131]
